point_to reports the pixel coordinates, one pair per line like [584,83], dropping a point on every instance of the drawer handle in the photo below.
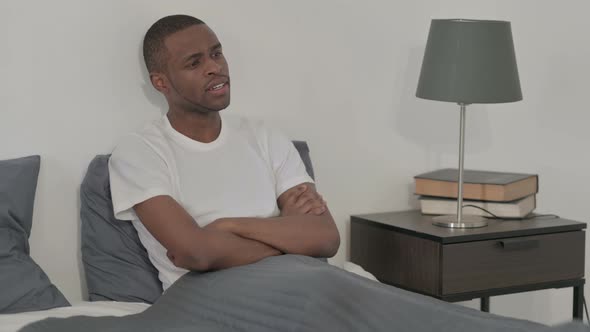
[519,244]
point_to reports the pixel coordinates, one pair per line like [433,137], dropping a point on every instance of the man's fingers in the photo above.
[295,194]
[300,189]
[306,197]
[314,205]
[318,211]
[291,198]
[321,205]
[303,199]
[300,200]
[315,209]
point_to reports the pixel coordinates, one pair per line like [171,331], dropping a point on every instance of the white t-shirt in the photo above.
[240,174]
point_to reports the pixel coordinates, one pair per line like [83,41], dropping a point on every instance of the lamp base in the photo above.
[467,221]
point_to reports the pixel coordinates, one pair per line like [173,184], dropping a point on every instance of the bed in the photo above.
[292,293]
[14,322]
[283,293]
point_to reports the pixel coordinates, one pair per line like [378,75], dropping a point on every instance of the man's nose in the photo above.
[213,68]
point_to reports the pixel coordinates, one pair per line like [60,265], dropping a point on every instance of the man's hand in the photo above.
[299,201]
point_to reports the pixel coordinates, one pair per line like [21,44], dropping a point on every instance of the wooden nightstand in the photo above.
[405,250]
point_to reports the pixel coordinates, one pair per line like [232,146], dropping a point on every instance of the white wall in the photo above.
[340,74]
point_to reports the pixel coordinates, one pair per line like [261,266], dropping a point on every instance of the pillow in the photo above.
[23,284]
[116,264]
[303,150]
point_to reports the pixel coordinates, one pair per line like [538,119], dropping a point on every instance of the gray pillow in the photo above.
[23,284]
[116,264]
[303,150]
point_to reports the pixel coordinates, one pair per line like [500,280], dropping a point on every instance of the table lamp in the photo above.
[468,62]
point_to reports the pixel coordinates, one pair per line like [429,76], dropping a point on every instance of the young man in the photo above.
[207,191]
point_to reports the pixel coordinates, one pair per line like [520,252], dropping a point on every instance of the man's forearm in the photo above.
[302,234]
[221,250]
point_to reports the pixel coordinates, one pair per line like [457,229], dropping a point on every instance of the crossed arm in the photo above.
[305,226]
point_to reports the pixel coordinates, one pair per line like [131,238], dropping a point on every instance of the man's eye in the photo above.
[217,54]
[194,63]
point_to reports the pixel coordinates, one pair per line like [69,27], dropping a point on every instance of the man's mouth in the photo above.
[217,87]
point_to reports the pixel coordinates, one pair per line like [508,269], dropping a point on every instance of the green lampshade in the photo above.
[469,61]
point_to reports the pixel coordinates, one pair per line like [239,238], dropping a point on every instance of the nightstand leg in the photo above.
[485,304]
[578,302]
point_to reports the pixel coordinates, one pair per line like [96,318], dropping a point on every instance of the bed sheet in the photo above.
[13,322]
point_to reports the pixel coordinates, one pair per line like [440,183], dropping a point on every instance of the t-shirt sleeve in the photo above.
[287,165]
[137,173]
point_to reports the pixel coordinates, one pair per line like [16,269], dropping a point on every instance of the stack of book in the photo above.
[506,195]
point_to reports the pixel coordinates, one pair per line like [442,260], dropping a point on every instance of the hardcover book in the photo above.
[477,184]
[515,209]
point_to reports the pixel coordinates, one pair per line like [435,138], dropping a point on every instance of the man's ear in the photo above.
[159,82]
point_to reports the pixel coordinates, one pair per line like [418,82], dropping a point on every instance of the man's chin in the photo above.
[210,109]
[220,107]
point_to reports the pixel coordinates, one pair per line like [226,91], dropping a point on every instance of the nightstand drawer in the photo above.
[483,265]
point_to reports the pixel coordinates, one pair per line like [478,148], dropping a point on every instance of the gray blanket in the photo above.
[293,293]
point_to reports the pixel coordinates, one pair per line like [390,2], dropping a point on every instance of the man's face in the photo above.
[197,72]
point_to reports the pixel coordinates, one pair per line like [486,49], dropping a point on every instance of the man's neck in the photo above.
[202,127]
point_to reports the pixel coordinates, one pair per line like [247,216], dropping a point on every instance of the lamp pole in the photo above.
[461,158]
[459,220]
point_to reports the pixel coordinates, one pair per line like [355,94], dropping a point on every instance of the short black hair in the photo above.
[153,43]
